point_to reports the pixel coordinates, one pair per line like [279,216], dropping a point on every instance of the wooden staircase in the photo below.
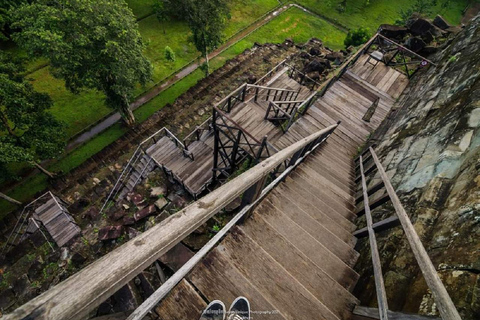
[295,253]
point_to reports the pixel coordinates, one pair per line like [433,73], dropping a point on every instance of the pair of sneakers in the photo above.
[239,310]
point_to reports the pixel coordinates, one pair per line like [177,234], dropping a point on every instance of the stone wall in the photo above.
[430,147]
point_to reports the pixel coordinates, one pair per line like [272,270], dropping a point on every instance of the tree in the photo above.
[90,44]
[207,19]
[162,11]
[6,7]
[421,7]
[357,37]
[169,54]
[28,133]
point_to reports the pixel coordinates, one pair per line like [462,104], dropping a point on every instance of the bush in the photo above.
[169,54]
[357,37]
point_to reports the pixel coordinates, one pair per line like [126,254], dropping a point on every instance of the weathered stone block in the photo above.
[110,232]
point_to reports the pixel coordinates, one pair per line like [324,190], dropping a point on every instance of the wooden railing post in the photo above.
[442,299]
[377,266]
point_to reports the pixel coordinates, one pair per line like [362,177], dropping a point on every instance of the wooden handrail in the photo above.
[269,88]
[224,115]
[442,299]
[75,297]
[377,266]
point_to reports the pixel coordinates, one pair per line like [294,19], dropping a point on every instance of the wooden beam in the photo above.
[371,191]
[75,297]
[378,226]
[442,299]
[372,313]
[377,203]
[377,266]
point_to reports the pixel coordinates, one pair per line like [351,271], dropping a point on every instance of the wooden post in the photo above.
[371,110]
[216,141]
[377,266]
[442,299]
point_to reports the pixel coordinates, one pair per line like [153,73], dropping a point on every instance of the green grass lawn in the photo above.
[291,24]
[360,14]
[81,111]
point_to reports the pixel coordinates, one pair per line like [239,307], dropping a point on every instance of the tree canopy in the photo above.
[207,20]
[28,133]
[90,44]
[6,7]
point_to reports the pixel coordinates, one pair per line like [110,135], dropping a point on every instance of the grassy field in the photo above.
[360,14]
[291,24]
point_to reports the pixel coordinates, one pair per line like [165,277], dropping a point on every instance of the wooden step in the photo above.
[217,278]
[291,207]
[337,299]
[182,302]
[309,244]
[285,293]
[312,203]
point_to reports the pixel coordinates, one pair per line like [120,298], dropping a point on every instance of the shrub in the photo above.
[169,54]
[357,37]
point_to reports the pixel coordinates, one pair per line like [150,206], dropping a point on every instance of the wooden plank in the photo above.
[337,299]
[377,266]
[308,244]
[378,226]
[442,299]
[370,191]
[335,245]
[308,203]
[372,313]
[217,278]
[183,302]
[291,207]
[272,280]
[377,203]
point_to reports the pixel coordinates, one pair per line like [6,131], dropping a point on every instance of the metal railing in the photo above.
[75,297]
[442,299]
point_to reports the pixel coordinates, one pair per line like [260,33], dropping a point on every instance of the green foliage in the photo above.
[169,54]
[357,37]
[6,8]
[90,44]
[216,228]
[207,20]
[28,133]
[162,11]
[421,7]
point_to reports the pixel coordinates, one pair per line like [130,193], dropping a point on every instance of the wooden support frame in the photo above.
[377,203]
[385,224]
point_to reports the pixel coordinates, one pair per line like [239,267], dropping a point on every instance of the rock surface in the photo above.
[431,150]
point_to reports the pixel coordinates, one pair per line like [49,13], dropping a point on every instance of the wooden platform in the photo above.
[56,219]
[293,257]
[197,173]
